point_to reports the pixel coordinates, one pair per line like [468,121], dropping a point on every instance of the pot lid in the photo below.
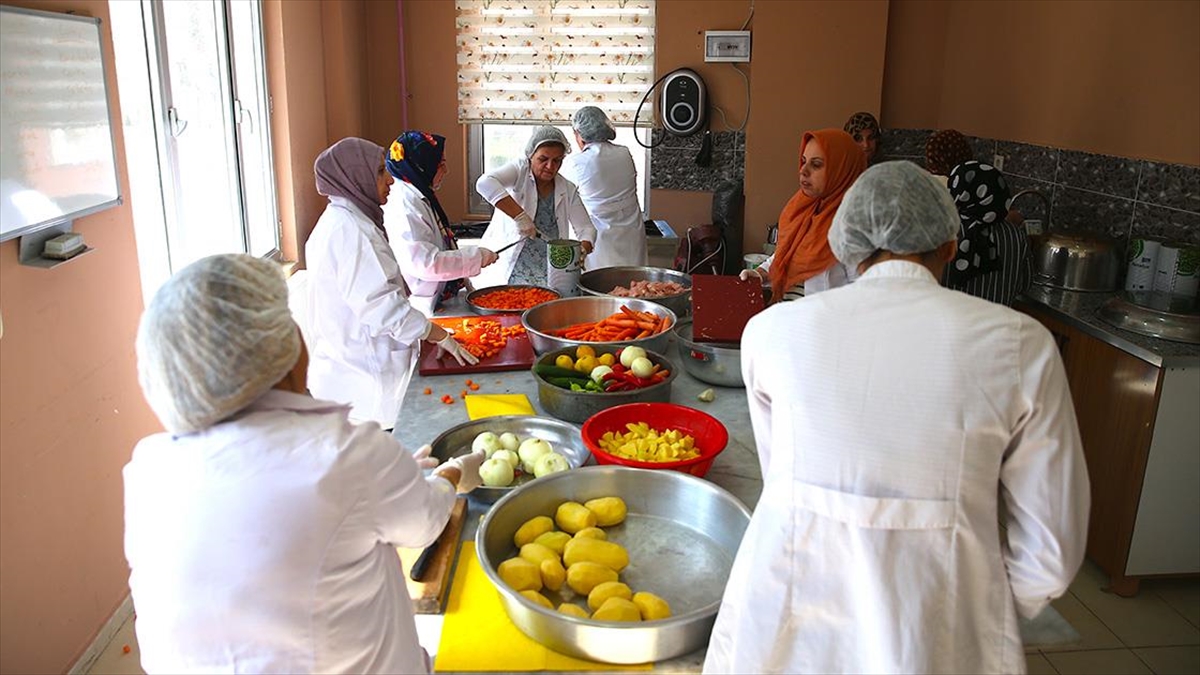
[1154,313]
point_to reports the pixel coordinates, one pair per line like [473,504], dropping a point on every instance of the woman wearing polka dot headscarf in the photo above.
[993,254]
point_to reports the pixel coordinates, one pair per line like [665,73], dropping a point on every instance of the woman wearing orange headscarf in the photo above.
[830,162]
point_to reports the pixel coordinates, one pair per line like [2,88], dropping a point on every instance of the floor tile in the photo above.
[1101,662]
[1145,620]
[1092,632]
[1183,595]
[114,661]
[1171,660]
[1036,664]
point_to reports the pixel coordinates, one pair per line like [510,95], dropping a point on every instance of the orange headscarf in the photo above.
[803,250]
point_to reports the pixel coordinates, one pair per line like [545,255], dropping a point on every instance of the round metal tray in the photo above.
[601,282]
[716,363]
[577,406]
[682,534]
[1156,314]
[563,437]
[567,311]
[475,294]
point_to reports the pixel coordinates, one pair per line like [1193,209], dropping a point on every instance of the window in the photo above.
[489,146]
[192,80]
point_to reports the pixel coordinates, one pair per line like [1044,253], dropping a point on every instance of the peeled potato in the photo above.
[583,577]
[538,598]
[617,609]
[555,541]
[606,590]
[571,609]
[520,574]
[591,533]
[611,555]
[536,553]
[573,517]
[531,529]
[609,510]
[651,606]
[554,575]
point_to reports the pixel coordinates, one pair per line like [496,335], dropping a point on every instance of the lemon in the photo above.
[606,359]
[564,361]
[584,350]
[586,364]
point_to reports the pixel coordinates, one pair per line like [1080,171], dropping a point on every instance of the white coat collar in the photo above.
[898,269]
[277,399]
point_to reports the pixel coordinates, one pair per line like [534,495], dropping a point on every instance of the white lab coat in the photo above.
[515,180]
[607,181]
[889,424]
[363,330]
[266,543]
[416,240]
[836,276]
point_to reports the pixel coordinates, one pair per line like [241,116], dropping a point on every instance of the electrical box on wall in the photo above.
[727,45]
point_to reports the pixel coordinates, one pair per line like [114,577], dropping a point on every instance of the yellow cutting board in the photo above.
[477,634]
[492,405]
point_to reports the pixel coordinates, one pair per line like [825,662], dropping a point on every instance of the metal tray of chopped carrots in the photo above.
[509,299]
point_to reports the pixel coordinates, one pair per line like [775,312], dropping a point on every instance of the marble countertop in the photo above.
[1079,311]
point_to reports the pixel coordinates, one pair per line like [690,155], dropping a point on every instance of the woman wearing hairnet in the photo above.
[607,181]
[433,265]
[534,203]
[875,547]
[362,331]
[261,527]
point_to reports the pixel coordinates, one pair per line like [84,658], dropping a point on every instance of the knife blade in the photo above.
[422,563]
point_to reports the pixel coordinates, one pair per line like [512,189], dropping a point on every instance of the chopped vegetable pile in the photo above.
[645,444]
[515,298]
[625,370]
[481,337]
[626,324]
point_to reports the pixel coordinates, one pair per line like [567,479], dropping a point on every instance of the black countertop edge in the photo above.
[1078,310]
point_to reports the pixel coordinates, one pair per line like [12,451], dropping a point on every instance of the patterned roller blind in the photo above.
[540,60]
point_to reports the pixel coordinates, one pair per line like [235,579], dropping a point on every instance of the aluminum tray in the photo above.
[682,534]
[484,311]
[567,311]
[1157,314]
[600,282]
[716,363]
[577,406]
[563,437]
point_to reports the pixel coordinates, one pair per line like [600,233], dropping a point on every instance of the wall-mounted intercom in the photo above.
[684,103]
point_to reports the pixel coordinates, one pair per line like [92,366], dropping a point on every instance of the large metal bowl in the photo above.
[601,281]
[474,296]
[682,534]
[718,363]
[577,406]
[563,437]
[569,311]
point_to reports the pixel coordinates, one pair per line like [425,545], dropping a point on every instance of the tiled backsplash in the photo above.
[673,163]
[1117,196]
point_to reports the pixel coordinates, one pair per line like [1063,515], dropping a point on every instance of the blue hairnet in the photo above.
[543,135]
[894,206]
[592,125]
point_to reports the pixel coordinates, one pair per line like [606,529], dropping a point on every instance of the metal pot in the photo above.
[602,281]
[1075,261]
[577,406]
[716,363]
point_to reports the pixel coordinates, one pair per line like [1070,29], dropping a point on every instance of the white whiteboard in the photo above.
[57,156]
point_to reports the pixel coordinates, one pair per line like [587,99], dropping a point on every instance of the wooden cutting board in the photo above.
[429,593]
[516,355]
[721,306]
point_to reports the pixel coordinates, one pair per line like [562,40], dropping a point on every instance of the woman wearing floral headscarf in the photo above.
[418,230]
[864,129]
[993,254]
[945,150]
[830,162]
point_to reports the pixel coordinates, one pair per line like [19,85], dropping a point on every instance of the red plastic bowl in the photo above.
[711,436]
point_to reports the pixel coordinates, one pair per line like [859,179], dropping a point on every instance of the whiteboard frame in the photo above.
[66,218]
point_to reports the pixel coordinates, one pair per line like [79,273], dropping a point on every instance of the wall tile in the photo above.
[1091,212]
[984,149]
[903,142]
[676,169]
[1168,224]
[1115,176]
[1173,185]
[918,160]
[722,140]
[1029,206]
[1031,161]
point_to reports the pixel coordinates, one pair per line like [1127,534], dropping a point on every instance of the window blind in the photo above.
[541,60]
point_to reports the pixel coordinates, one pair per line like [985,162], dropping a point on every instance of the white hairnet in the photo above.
[893,206]
[592,124]
[215,337]
[543,135]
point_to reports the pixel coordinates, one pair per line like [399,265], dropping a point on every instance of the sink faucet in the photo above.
[1039,195]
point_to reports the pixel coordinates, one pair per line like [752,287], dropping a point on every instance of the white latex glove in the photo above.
[448,345]
[424,458]
[747,275]
[468,468]
[487,256]
[525,225]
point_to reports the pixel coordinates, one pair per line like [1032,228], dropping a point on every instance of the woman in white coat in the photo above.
[534,203]
[607,181]
[433,265]
[886,443]
[363,331]
[261,527]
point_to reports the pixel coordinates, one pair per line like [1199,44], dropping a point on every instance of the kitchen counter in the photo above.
[423,417]
[1079,311]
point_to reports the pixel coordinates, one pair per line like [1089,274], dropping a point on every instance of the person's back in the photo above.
[1003,285]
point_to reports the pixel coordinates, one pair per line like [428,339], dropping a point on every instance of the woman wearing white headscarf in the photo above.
[261,527]
[362,330]
[875,547]
[607,181]
[534,203]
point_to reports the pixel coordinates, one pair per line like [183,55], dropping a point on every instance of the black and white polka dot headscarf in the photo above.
[981,196]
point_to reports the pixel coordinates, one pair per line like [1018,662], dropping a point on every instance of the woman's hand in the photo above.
[463,471]
[586,246]
[487,256]
[747,275]
[525,225]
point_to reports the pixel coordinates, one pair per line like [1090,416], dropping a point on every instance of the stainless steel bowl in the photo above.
[601,282]
[577,406]
[474,295]
[569,311]
[716,363]
[682,534]
[1075,261]
[563,437]
[1157,314]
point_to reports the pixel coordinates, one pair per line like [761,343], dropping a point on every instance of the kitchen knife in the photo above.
[508,246]
[422,563]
